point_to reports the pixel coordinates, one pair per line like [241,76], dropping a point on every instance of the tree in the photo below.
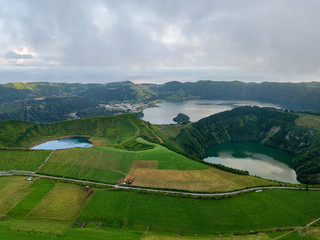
[181,119]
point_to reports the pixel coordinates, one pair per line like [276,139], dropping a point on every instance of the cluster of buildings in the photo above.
[128,107]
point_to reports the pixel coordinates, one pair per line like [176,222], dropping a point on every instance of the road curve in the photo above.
[17,173]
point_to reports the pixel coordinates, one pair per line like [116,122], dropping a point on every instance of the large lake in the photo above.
[64,143]
[257,159]
[195,109]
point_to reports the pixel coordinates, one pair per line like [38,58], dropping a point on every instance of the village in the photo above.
[128,107]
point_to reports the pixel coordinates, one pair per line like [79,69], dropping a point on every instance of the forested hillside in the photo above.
[293,96]
[268,126]
[43,102]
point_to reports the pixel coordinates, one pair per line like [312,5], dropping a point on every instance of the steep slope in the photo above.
[268,126]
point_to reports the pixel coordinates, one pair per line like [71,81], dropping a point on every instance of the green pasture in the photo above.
[108,164]
[22,159]
[40,188]
[12,191]
[309,120]
[56,212]
[45,209]
[252,211]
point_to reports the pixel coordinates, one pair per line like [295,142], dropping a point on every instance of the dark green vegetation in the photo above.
[27,160]
[30,101]
[181,118]
[49,210]
[267,126]
[293,96]
[110,130]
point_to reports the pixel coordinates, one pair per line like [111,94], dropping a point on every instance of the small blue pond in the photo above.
[64,143]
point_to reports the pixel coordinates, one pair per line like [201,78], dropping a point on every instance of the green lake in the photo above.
[257,159]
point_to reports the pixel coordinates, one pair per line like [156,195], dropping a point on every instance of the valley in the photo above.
[80,190]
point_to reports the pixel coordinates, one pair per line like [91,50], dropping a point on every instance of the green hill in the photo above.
[110,130]
[267,126]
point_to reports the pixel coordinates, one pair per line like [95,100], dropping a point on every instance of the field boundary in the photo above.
[179,193]
[45,161]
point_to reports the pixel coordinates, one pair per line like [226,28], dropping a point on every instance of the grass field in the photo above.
[21,159]
[57,211]
[40,188]
[157,167]
[107,164]
[308,120]
[207,180]
[252,211]
[48,210]
[12,190]
[99,164]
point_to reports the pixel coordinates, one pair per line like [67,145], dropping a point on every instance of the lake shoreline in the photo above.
[63,137]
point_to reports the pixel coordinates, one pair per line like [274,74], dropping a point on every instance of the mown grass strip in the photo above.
[40,189]
[12,191]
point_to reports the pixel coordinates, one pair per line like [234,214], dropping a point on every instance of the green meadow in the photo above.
[108,164]
[252,211]
[27,160]
[49,210]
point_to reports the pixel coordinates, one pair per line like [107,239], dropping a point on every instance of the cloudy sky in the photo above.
[159,40]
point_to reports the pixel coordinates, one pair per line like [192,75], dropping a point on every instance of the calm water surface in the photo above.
[195,109]
[257,159]
[64,143]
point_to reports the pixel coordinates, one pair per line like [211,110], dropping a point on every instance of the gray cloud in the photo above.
[272,40]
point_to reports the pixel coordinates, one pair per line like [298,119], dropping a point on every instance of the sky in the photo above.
[157,41]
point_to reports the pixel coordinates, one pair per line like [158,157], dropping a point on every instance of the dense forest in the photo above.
[43,102]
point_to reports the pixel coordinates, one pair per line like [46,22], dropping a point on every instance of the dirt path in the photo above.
[45,161]
[159,138]
[296,229]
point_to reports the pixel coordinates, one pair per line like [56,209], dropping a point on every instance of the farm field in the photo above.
[206,180]
[109,165]
[56,212]
[309,120]
[39,190]
[49,210]
[12,191]
[21,159]
[167,170]
[252,211]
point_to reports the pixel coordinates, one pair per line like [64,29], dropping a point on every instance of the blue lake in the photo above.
[64,143]
[195,109]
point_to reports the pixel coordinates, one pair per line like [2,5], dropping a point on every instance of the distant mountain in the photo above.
[43,102]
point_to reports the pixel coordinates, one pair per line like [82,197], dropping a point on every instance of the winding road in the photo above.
[25,173]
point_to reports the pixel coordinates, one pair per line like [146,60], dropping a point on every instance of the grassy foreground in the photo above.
[252,211]
[49,209]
